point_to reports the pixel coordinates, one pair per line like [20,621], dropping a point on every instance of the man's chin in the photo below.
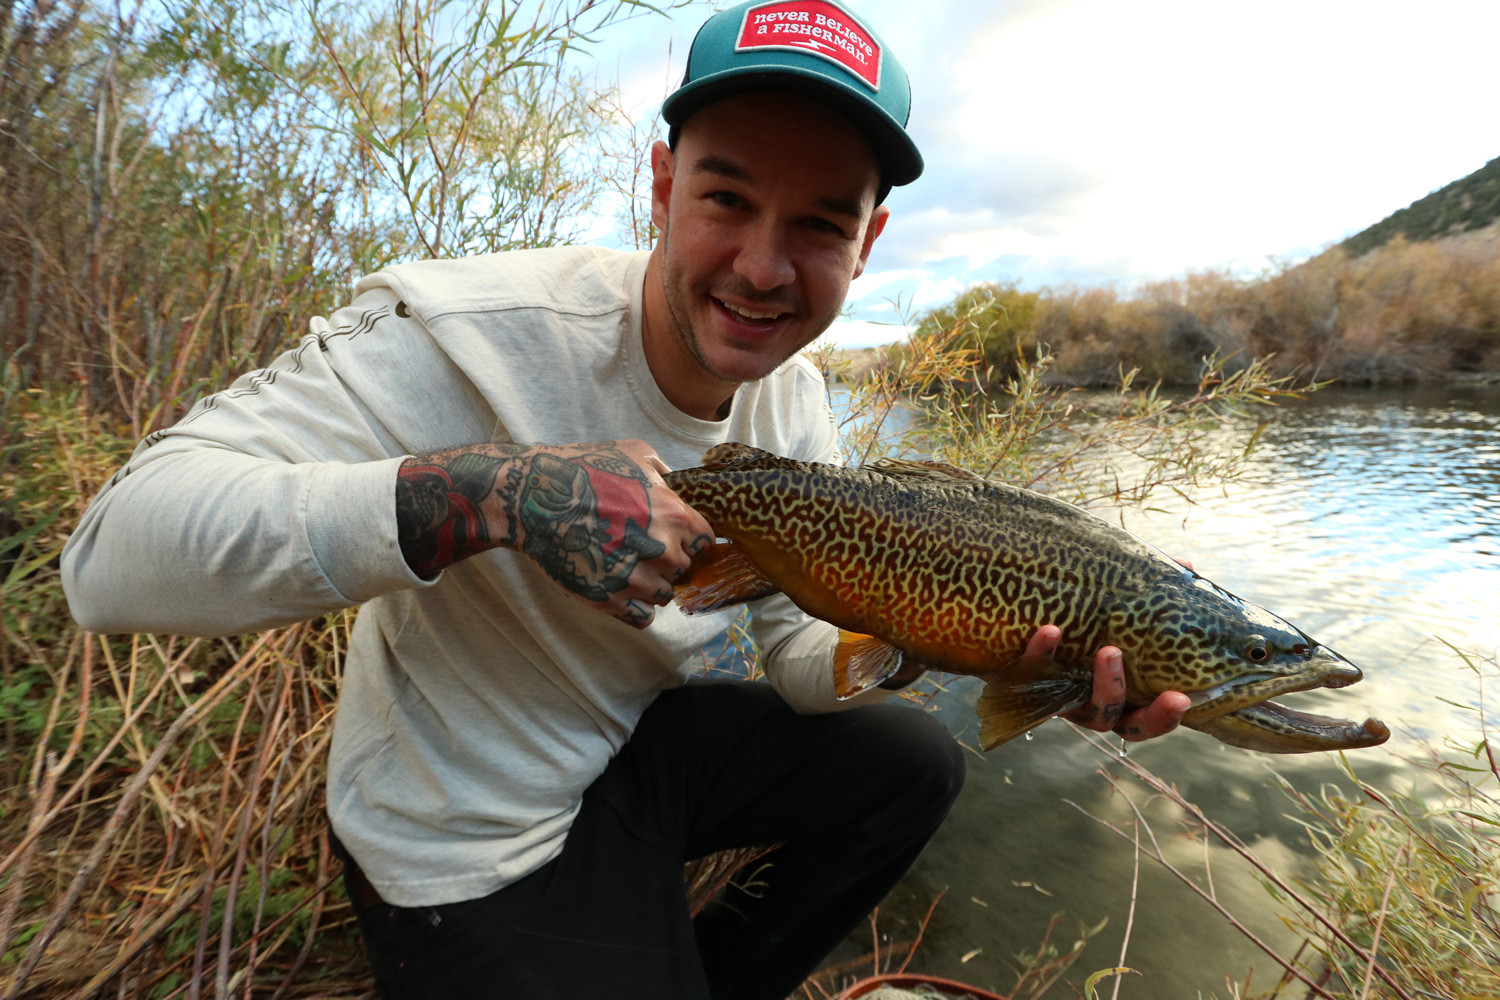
[742,369]
[748,364]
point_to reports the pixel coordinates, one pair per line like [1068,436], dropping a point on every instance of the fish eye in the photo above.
[1256,651]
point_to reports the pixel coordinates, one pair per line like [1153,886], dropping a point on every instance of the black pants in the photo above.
[853,797]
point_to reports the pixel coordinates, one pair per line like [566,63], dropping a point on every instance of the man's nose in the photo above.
[764,259]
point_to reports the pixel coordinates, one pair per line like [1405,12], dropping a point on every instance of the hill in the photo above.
[1468,204]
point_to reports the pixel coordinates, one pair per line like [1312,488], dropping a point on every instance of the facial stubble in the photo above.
[677,296]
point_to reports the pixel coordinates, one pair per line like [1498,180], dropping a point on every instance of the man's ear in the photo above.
[661,184]
[872,230]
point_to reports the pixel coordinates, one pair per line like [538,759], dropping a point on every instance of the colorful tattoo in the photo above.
[564,511]
[564,530]
[439,519]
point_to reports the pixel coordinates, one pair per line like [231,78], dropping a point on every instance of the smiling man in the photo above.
[520,766]
[755,259]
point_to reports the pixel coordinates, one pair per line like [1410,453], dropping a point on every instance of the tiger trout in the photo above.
[924,560]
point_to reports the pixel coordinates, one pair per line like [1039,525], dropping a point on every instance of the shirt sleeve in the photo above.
[268,503]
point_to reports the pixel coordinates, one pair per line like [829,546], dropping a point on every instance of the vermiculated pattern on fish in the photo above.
[922,560]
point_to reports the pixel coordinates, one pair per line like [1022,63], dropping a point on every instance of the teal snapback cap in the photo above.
[817,48]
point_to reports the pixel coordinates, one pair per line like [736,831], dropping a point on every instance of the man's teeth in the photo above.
[753,314]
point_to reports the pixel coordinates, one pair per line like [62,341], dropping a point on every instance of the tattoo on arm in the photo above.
[582,514]
[439,506]
[565,527]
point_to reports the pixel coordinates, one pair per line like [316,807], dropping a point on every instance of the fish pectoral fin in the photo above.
[860,662]
[935,472]
[1028,692]
[722,574]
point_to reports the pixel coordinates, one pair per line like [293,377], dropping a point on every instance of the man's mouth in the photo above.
[749,314]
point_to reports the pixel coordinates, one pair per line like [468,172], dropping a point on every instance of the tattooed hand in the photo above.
[1105,710]
[596,517]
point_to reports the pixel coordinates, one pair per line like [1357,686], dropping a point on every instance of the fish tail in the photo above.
[1029,691]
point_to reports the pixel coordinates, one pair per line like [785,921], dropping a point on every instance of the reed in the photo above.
[1404,902]
[177,199]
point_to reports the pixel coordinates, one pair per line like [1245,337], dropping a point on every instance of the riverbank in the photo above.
[1403,313]
[151,784]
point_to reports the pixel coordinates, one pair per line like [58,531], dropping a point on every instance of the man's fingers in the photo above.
[652,462]
[1043,641]
[1105,709]
[1105,706]
[637,614]
[1157,719]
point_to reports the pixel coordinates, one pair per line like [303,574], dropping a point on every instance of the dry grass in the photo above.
[162,797]
[1406,899]
[1403,312]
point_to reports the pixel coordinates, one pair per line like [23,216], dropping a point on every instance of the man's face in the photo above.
[767,213]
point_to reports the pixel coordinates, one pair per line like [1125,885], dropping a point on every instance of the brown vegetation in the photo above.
[176,199]
[181,187]
[1403,312]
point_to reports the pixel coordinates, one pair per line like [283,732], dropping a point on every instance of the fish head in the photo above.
[1231,658]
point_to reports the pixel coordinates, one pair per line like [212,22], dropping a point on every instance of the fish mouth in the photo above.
[1273,728]
[1241,713]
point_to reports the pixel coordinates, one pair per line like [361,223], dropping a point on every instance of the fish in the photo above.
[927,564]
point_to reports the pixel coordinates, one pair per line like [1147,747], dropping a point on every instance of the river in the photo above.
[1370,518]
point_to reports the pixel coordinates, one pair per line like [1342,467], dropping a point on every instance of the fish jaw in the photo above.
[1272,728]
[1242,714]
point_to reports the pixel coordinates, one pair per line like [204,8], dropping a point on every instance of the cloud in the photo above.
[1093,141]
[862,333]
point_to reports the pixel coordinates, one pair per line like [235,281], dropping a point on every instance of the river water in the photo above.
[1372,520]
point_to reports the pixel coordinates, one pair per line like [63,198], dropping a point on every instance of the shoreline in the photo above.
[853,364]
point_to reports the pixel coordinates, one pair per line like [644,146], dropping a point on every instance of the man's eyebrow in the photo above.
[840,206]
[723,166]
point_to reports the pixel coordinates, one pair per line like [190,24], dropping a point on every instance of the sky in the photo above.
[1115,142]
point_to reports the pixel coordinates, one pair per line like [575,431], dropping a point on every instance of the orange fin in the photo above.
[1030,690]
[722,574]
[860,662]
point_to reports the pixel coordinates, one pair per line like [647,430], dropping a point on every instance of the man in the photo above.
[515,778]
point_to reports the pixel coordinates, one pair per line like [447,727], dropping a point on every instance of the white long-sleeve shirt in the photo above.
[477,706]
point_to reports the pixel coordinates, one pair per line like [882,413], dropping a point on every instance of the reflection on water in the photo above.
[1372,520]
[1374,523]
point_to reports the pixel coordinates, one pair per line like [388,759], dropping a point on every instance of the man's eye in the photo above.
[825,226]
[727,199]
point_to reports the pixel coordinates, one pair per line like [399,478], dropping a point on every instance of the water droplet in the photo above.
[1028,736]
[1122,748]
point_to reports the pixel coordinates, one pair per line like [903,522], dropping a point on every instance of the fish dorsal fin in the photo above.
[1029,691]
[860,662]
[722,574]
[934,472]
[731,454]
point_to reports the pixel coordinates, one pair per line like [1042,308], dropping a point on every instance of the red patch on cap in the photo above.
[815,27]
